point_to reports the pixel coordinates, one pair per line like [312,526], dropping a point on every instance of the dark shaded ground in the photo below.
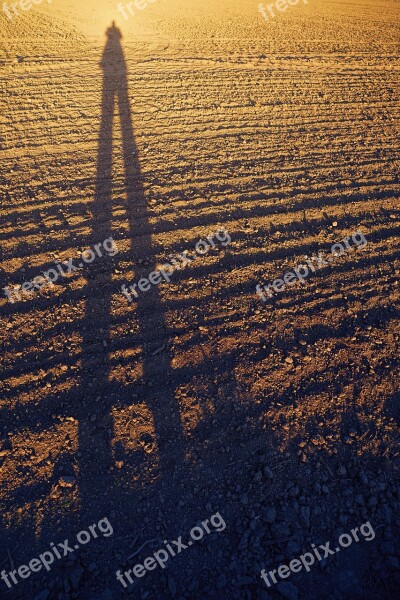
[297,438]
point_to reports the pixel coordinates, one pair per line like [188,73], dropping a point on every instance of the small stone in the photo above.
[393,563]
[221,581]
[269,514]
[172,586]
[42,595]
[294,491]
[288,590]
[75,577]
[292,548]
[66,481]
[387,548]
[305,516]
[268,473]
[262,595]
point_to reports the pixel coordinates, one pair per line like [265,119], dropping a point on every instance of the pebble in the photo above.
[66,481]
[393,563]
[305,516]
[42,595]
[75,577]
[221,581]
[172,586]
[287,590]
[268,473]
[388,548]
[269,514]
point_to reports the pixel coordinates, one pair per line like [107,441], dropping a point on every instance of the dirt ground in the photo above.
[197,397]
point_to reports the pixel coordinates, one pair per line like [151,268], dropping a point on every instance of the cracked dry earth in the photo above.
[197,397]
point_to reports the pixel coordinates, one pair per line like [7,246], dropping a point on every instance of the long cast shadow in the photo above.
[95,439]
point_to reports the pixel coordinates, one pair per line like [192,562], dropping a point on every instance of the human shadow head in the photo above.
[113,33]
[113,57]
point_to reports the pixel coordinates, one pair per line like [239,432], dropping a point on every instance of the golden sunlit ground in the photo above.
[197,397]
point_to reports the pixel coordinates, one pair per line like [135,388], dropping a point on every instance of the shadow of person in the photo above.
[101,396]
